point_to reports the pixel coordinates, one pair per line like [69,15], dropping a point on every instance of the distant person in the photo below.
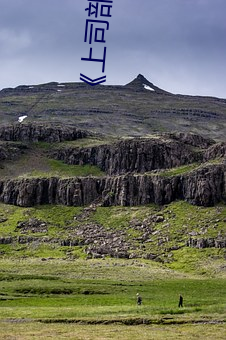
[139,299]
[180,301]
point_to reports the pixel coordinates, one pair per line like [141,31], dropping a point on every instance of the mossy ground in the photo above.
[168,239]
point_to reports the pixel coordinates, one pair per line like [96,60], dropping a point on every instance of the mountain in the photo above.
[140,83]
[138,108]
[107,191]
[124,171]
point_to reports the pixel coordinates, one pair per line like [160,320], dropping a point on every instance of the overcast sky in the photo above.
[179,45]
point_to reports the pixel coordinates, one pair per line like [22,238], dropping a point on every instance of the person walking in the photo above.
[180,301]
[139,299]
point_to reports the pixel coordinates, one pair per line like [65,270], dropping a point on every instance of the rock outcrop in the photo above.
[205,186]
[215,151]
[139,155]
[37,132]
[140,81]
[219,242]
[191,139]
[11,151]
[133,168]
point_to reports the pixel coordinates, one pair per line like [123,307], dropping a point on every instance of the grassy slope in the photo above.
[35,162]
[181,219]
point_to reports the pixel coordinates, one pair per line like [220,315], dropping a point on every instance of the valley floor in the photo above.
[96,299]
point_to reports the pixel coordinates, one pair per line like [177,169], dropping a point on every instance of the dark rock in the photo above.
[207,243]
[135,155]
[215,151]
[6,240]
[151,256]
[37,132]
[204,186]
[159,218]
[192,139]
[11,151]
[32,225]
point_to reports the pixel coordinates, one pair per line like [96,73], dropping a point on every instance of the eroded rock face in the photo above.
[10,151]
[125,163]
[205,186]
[192,139]
[215,151]
[36,133]
[131,155]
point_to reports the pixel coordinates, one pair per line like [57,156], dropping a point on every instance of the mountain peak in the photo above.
[140,83]
[141,77]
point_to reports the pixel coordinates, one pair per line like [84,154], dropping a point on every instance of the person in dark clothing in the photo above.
[180,301]
[139,299]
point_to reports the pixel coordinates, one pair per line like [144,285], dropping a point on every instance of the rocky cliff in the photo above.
[133,167]
[132,155]
[205,186]
[215,151]
[191,139]
[37,132]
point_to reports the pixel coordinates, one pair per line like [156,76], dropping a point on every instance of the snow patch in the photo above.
[61,85]
[31,87]
[21,118]
[148,87]
[59,90]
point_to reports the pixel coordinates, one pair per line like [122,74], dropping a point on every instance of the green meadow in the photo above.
[50,291]
[46,297]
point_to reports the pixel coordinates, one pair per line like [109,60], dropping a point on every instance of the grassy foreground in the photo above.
[107,332]
[50,291]
[96,299]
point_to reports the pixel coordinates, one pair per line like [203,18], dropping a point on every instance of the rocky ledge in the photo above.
[204,186]
[133,167]
[144,154]
[139,155]
[37,132]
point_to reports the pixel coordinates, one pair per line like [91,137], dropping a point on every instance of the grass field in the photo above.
[46,293]
[96,299]
[37,331]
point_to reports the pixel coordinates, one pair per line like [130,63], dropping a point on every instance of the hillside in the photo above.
[128,196]
[106,192]
[82,193]
[136,109]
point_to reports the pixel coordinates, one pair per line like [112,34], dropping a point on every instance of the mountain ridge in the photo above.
[138,108]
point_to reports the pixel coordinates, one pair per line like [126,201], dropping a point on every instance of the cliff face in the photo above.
[35,133]
[202,187]
[11,151]
[131,155]
[191,139]
[215,151]
[125,163]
